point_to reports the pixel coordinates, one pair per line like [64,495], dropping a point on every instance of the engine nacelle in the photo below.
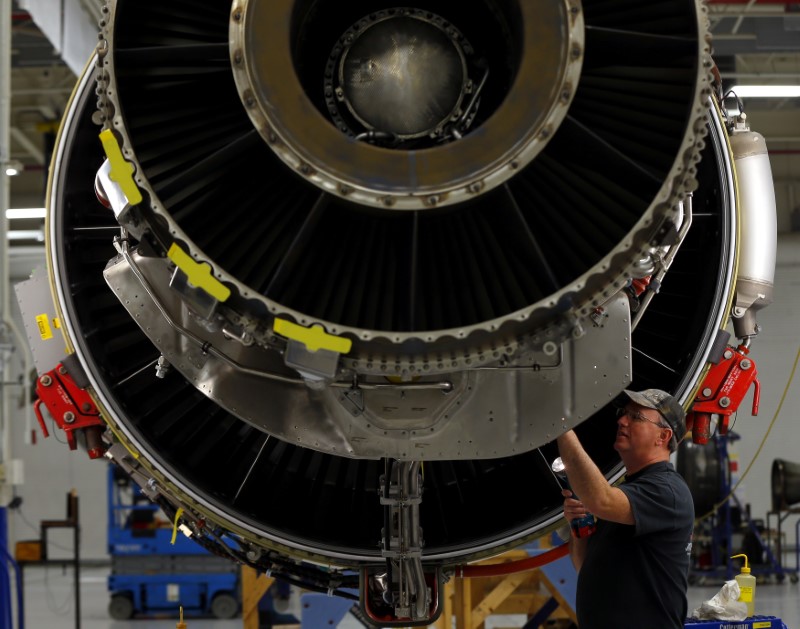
[340,244]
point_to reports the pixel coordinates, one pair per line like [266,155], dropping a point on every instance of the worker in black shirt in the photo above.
[633,571]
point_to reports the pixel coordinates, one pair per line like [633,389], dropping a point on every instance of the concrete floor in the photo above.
[49,600]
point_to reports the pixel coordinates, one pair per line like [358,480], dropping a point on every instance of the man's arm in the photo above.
[577,551]
[589,484]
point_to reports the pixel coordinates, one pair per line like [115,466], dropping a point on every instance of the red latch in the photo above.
[722,392]
[71,407]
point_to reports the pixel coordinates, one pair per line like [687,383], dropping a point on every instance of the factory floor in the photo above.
[49,603]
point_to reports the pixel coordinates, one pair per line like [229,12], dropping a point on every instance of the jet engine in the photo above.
[333,276]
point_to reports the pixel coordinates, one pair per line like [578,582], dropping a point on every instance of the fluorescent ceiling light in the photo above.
[767,91]
[14,167]
[26,212]
[26,234]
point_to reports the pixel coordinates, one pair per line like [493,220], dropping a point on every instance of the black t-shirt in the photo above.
[636,576]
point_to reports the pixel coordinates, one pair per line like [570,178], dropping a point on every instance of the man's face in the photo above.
[640,430]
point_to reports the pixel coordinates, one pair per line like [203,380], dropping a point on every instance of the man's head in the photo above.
[668,408]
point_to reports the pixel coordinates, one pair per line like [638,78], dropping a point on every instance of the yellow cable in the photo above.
[716,507]
[178,515]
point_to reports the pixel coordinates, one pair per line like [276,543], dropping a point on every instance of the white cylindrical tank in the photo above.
[758,233]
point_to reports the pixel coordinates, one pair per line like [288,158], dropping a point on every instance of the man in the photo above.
[633,571]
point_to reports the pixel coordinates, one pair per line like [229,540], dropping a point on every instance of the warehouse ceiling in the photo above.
[754,42]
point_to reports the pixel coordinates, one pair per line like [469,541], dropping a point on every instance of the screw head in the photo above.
[46,380]
[69,417]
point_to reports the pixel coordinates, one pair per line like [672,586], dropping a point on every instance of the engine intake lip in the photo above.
[551,41]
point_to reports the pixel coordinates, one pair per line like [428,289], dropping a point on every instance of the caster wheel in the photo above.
[224,606]
[120,607]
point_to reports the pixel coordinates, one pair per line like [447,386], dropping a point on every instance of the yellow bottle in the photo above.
[181,624]
[747,587]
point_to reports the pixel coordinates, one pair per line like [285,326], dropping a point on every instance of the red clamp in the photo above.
[71,407]
[639,285]
[722,392]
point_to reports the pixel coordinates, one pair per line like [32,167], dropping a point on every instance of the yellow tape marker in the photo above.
[56,323]
[199,274]
[762,625]
[121,170]
[178,515]
[314,338]
[43,323]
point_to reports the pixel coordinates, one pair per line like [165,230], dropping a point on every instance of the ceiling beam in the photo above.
[26,143]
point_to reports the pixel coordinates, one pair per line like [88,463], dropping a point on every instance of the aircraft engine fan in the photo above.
[334,276]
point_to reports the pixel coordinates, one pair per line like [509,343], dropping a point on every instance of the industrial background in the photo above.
[46,45]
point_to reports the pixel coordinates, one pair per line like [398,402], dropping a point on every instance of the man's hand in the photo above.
[577,546]
[572,508]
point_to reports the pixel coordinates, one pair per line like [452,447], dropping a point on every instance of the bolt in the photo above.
[86,407]
[69,417]
[707,392]
[745,364]
[725,402]
[728,354]
[550,348]
[46,381]
[62,370]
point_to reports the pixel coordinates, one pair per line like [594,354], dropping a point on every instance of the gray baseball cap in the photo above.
[667,406]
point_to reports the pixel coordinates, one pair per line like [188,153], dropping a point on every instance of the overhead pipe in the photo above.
[743,8]
[788,5]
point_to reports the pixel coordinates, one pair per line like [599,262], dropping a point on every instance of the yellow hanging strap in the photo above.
[199,274]
[178,515]
[314,338]
[121,170]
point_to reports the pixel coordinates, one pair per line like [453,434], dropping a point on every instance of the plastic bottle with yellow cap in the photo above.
[181,624]
[747,587]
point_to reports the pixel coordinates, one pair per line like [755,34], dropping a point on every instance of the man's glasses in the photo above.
[638,417]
